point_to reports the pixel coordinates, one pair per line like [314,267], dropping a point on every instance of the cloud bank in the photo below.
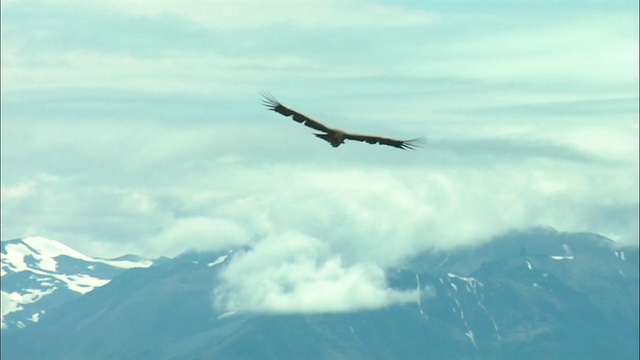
[295,273]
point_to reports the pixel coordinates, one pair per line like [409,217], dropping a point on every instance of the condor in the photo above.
[336,137]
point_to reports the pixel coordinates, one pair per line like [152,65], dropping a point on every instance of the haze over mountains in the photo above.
[526,295]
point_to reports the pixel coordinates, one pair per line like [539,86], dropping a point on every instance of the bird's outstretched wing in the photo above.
[401,144]
[270,102]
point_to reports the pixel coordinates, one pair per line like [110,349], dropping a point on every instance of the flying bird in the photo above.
[336,137]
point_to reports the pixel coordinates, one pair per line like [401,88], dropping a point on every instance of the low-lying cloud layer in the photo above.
[295,273]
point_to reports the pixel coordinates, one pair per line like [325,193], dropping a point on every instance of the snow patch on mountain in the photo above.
[419,297]
[42,267]
[568,254]
[470,282]
[555,257]
[218,261]
[44,251]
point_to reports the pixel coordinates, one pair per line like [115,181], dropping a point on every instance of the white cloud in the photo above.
[380,210]
[28,187]
[173,72]
[246,13]
[598,47]
[18,191]
[198,233]
[336,231]
[294,273]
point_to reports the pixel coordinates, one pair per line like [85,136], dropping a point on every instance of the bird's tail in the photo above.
[325,137]
[330,139]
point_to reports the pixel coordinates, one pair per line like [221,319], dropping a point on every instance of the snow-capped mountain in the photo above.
[39,274]
[538,294]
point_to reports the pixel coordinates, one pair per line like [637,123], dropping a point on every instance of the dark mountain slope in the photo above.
[529,295]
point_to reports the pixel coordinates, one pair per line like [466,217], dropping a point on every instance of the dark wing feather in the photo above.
[401,144]
[270,102]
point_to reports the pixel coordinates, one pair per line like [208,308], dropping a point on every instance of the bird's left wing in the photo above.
[400,144]
[273,104]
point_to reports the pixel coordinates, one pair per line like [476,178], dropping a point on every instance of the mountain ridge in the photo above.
[40,273]
[493,301]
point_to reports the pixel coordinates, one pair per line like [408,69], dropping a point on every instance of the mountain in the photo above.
[538,294]
[39,274]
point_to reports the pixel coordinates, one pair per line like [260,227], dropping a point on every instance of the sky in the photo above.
[137,127]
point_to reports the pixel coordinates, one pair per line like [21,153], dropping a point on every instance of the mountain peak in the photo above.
[37,271]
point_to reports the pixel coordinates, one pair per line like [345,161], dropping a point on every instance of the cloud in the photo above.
[17,191]
[292,54]
[518,46]
[27,188]
[370,204]
[295,273]
[197,233]
[243,14]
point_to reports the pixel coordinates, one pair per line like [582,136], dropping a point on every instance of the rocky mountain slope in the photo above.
[527,295]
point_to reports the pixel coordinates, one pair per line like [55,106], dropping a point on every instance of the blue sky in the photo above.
[136,127]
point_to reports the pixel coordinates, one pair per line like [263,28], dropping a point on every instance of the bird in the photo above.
[336,137]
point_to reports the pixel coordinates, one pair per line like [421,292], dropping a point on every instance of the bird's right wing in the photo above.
[270,102]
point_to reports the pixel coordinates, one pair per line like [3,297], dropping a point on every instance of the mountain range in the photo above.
[40,274]
[535,294]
